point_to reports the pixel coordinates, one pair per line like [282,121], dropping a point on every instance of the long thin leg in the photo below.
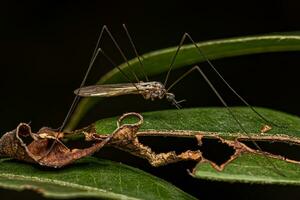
[74,103]
[93,58]
[116,66]
[77,97]
[121,52]
[212,87]
[230,112]
[187,36]
[136,52]
[174,58]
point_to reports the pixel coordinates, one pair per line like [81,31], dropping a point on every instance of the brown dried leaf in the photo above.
[46,149]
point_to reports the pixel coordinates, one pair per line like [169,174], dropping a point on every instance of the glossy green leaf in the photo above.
[247,167]
[89,177]
[214,119]
[158,62]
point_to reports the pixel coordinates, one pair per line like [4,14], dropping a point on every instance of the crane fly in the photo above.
[149,90]
[153,89]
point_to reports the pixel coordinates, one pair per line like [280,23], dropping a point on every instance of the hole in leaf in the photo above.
[212,149]
[24,130]
[216,151]
[24,134]
[286,150]
[27,140]
[166,144]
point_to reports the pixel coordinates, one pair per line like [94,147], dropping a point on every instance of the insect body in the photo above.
[149,90]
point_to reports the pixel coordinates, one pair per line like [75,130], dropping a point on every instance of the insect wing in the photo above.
[108,90]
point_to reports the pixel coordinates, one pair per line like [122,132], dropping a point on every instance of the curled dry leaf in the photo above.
[46,148]
[201,133]
[24,145]
[128,141]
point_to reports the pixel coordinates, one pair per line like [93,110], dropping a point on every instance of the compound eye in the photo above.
[170,96]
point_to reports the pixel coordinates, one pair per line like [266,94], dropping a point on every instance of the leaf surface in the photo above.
[217,123]
[89,177]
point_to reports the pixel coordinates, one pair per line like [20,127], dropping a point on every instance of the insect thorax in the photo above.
[153,90]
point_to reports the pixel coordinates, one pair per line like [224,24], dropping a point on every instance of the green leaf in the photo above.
[249,168]
[213,119]
[89,177]
[157,62]
[212,122]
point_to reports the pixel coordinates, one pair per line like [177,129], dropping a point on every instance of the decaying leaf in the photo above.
[199,126]
[265,128]
[22,144]
[129,142]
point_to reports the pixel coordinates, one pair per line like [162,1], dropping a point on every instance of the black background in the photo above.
[45,50]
